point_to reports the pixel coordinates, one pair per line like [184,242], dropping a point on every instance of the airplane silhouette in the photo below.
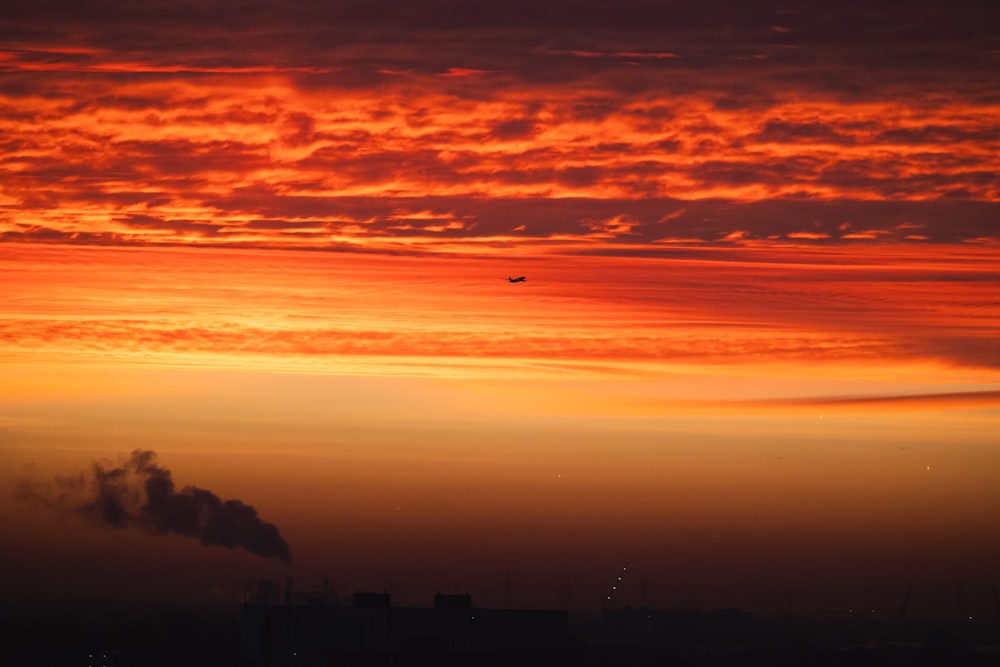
[516,280]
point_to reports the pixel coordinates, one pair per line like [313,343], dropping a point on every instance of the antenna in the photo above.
[569,591]
[613,593]
[246,590]
[906,602]
[396,588]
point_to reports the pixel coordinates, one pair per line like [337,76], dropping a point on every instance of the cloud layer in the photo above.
[371,126]
[860,310]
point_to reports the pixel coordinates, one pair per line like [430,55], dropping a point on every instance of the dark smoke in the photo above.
[141,494]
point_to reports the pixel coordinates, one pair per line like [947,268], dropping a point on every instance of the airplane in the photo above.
[516,280]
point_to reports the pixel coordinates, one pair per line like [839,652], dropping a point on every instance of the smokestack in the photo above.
[140,494]
[906,602]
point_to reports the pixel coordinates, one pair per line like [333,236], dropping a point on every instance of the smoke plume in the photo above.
[140,494]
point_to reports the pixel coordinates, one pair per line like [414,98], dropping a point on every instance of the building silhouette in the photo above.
[372,632]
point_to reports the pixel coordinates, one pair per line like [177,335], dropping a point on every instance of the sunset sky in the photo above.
[756,355]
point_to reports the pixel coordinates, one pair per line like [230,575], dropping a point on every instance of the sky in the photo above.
[257,321]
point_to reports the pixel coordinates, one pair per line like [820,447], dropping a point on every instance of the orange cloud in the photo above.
[732,307]
[220,147]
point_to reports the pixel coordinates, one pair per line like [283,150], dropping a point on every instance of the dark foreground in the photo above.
[264,635]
